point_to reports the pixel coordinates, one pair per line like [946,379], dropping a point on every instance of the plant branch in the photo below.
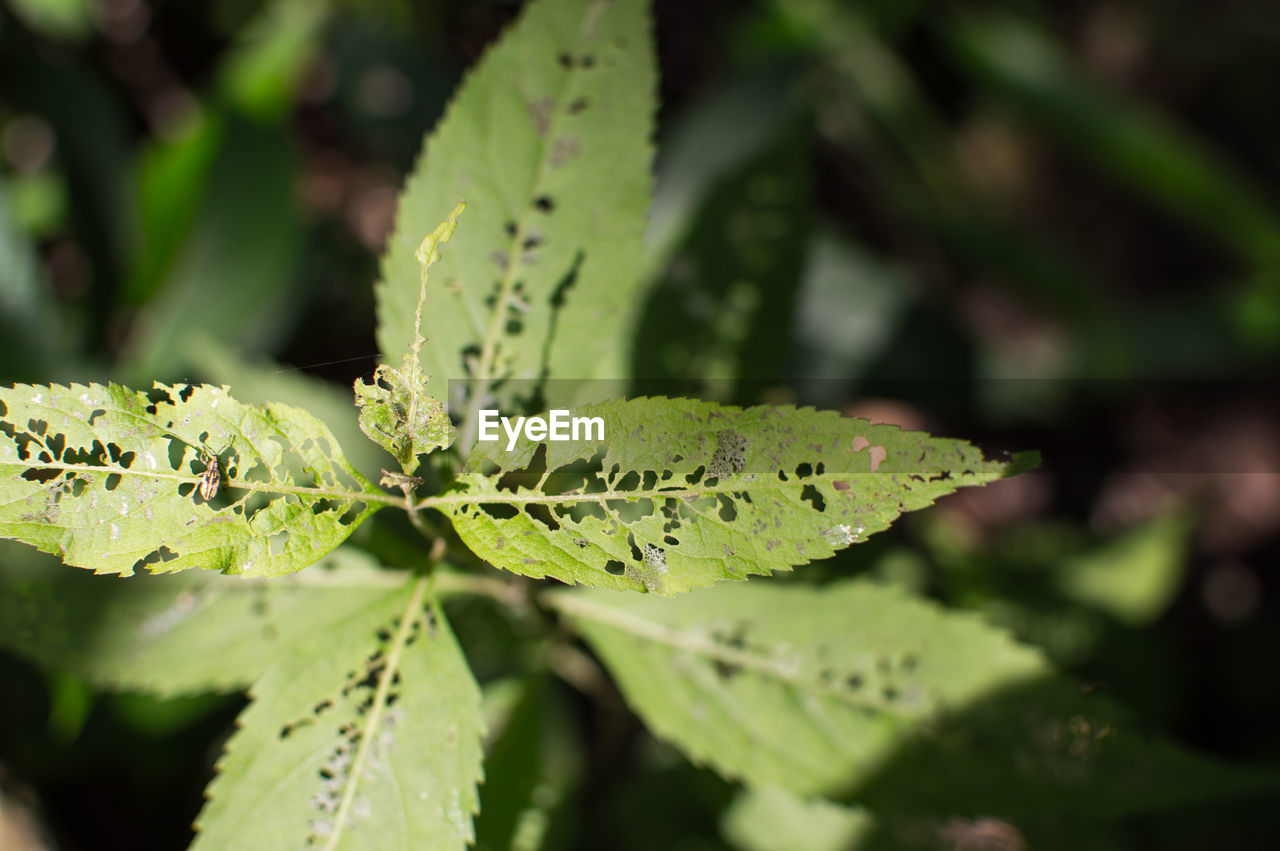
[451,582]
[579,670]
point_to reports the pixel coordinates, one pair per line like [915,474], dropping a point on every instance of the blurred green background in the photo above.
[1036,225]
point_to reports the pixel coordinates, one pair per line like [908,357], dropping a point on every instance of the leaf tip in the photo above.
[1020,462]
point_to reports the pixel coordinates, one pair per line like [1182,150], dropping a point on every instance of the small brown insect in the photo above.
[211,478]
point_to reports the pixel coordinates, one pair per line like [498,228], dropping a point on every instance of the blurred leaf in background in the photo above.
[1031,224]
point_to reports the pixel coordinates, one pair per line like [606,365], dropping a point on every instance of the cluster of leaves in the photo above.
[862,710]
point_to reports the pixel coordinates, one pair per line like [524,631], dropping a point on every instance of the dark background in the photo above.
[1031,224]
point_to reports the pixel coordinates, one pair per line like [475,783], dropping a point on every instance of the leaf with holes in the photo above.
[182,477]
[860,690]
[369,736]
[155,633]
[673,494]
[396,412]
[548,141]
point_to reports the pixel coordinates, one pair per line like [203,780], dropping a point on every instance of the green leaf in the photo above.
[231,272]
[397,414]
[548,141]
[159,717]
[718,316]
[181,477]
[270,57]
[710,138]
[850,306]
[771,819]
[32,334]
[512,770]
[801,688]
[178,634]
[258,381]
[533,766]
[692,492]
[174,172]
[860,690]
[1024,69]
[1134,576]
[368,736]
[61,20]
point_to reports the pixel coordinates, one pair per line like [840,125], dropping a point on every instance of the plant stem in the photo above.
[578,670]
[451,582]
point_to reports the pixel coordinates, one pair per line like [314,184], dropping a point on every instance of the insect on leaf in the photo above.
[118,480]
[679,494]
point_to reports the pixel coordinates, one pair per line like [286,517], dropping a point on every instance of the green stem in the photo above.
[415,350]
[450,582]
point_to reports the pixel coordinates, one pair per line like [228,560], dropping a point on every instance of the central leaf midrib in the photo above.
[699,645]
[497,321]
[236,484]
[491,498]
[368,735]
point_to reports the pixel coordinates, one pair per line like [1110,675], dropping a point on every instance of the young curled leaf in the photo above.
[397,414]
[395,410]
[119,480]
[429,250]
